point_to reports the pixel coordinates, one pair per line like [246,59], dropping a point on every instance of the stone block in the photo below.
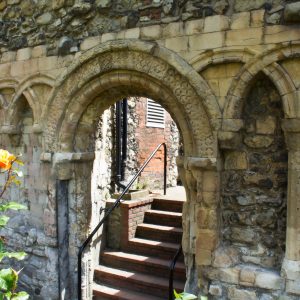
[229,140]
[240,21]
[229,275]
[8,56]
[258,141]
[244,37]
[233,125]
[194,27]
[291,269]
[225,257]
[216,23]
[206,239]
[23,54]
[177,44]
[279,34]
[39,51]
[215,290]
[5,69]
[207,218]
[269,281]
[44,19]
[292,12]
[257,18]
[172,30]
[203,257]
[239,294]
[90,42]
[108,37]
[151,32]
[236,160]
[247,276]
[207,41]
[293,287]
[210,181]
[266,126]
[210,199]
[244,235]
[132,33]
[17,69]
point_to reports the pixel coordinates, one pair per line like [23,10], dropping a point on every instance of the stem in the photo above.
[7,183]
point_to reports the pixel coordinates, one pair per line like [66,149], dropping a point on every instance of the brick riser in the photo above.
[142,264]
[153,285]
[163,218]
[159,233]
[141,270]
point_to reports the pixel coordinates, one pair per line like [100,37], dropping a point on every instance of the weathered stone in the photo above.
[225,257]
[235,294]
[268,280]
[258,141]
[247,5]
[221,6]
[103,3]
[236,161]
[215,290]
[266,126]
[247,276]
[3,5]
[244,235]
[64,45]
[292,12]
[274,18]
[44,19]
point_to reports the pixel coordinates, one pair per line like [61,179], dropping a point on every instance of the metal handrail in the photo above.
[171,276]
[116,204]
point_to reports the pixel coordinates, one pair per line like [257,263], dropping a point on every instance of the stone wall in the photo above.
[59,23]
[207,73]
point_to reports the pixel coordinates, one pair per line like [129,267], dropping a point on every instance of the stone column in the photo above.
[200,216]
[291,264]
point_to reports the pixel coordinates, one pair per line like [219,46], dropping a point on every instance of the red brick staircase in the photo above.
[141,270]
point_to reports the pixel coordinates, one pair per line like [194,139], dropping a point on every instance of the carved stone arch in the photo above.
[266,63]
[7,83]
[219,56]
[152,71]
[26,88]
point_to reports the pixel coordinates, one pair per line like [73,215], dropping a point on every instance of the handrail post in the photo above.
[165,168]
[171,277]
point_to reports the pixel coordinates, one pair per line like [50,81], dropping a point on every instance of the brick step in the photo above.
[159,233]
[138,282]
[159,249]
[142,264]
[167,204]
[103,292]
[165,218]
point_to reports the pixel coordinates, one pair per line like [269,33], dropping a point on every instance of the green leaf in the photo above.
[8,279]
[20,296]
[16,255]
[177,296]
[3,220]
[1,296]
[12,205]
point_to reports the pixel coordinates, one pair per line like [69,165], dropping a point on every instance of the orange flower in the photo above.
[6,159]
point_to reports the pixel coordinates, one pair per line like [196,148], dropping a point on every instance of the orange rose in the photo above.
[6,159]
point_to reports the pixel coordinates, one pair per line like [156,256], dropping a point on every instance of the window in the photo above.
[155,115]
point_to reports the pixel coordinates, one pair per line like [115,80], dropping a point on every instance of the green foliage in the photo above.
[184,296]
[9,277]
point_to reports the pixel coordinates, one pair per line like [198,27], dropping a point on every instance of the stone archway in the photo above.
[109,72]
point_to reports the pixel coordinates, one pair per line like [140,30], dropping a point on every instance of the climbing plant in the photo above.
[9,277]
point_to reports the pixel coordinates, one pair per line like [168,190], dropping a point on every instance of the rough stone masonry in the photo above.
[227,72]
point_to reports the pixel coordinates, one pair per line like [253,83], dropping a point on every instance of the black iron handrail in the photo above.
[116,204]
[171,276]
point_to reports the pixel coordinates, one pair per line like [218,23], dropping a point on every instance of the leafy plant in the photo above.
[184,296]
[187,296]
[9,277]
